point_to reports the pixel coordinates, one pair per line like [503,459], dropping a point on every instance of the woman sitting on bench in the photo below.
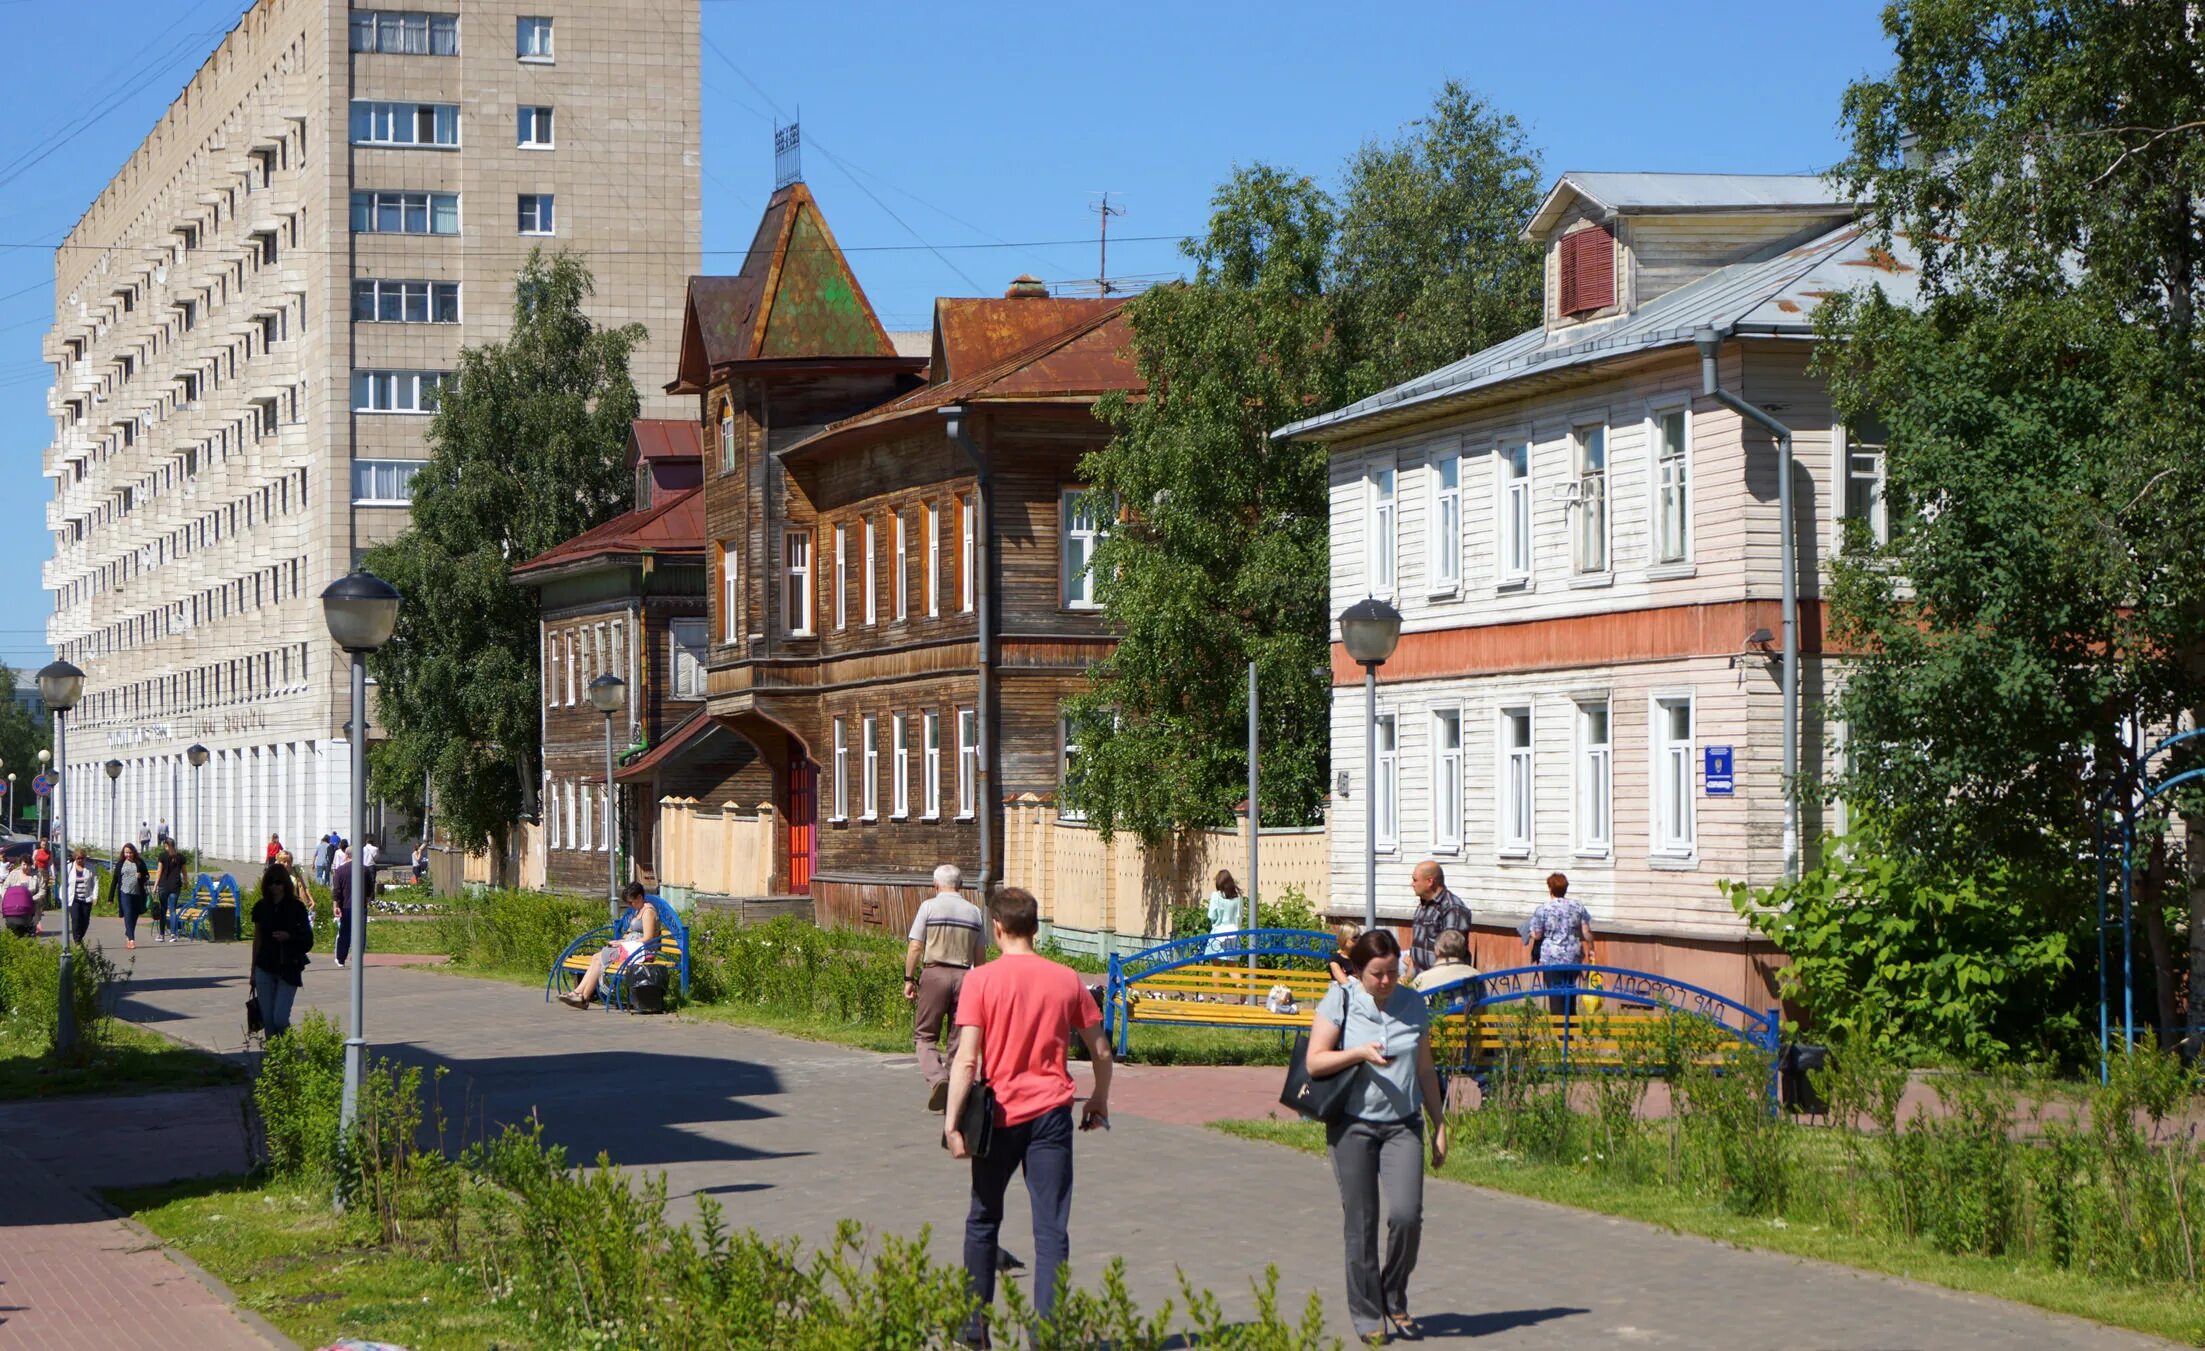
[642,936]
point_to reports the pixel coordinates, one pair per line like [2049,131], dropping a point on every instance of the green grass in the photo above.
[2153,1310]
[131,1060]
[394,933]
[287,1257]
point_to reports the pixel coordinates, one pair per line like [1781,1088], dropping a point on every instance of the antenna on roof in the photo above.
[1104,210]
[788,155]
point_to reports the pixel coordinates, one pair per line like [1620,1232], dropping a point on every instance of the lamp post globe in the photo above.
[60,685]
[361,610]
[608,693]
[1369,630]
[114,769]
[197,755]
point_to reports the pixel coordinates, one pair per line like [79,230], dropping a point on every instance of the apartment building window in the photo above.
[1674,749]
[841,775]
[731,598]
[933,558]
[965,555]
[536,214]
[1516,781]
[796,556]
[383,483]
[869,786]
[1386,793]
[1447,780]
[1589,501]
[1672,486]
[1515,513]
[688,639]
[930,768]
[535,127]
[395,391]
[968,762]
[1443,568]
[405,213]
[872,593]
[404,124]
[1595,779]
[899,767]
[1379,532]
[1081,522]
[532,38]
[406,302]
[1068,771]
[1867,482]
[404,34]
[842,577]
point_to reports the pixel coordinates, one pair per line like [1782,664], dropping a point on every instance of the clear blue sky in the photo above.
[960,125]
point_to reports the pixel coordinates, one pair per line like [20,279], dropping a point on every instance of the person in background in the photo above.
[324,849]
[1376,1028]
[161,834]
[1018,1015]
[275,847]
[168,891]
[1437,911]
[1228,912]
[1452,964]
[369,856]
[79,888]
[22,898]
[145,838]
[947,940]
[1343,938]
[641,936]
[298,881]
[282,936]
[421,862]
[340,899]
[42,858]
[130,884]
[1560,934]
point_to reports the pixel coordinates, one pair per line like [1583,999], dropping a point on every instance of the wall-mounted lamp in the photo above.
[1758,644]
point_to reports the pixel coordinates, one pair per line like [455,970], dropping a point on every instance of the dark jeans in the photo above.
[165,907]
[80,919]
[132,904]
[1043,1148]
[344,934]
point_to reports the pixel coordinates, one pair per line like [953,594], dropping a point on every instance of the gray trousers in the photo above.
[934,1029]
[1374,1160]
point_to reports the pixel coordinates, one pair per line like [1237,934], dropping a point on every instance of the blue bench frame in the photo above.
[1761,1030]
[213,889]
[613,991]
[1129,970]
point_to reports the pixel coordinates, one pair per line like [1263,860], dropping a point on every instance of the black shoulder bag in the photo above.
[976,1120]
[1323,1099]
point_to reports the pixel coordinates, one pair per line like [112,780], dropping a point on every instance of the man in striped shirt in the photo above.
[948,938]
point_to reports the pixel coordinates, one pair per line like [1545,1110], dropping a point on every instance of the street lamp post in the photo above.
[1369,629]
[11,799]
[198,757]
[45,758]
[61,685]
[114,770]
[607,693]
[361,610]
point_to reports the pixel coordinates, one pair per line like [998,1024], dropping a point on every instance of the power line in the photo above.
[819,248]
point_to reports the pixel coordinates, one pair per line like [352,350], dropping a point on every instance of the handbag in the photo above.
[1323,1099]
[976,1120]
[252,1012]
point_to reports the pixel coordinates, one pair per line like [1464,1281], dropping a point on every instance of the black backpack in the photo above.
[647,988]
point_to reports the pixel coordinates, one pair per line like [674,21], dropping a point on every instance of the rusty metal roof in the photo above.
[672,529]
[664,439]
[972,334]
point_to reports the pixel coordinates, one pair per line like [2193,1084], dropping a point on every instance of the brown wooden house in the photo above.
[897,543]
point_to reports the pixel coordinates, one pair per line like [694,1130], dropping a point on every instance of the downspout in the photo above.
[1710,341]
[955,420]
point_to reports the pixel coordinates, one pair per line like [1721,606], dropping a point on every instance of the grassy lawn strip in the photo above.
[283,1253]
[2149,1310]
[132,1061]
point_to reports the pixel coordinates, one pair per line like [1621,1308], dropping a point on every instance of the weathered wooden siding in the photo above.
[1669,250]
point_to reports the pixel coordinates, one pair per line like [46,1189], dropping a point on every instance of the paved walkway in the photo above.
[791,1136]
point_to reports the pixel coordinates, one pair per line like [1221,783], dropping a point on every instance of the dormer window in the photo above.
[1588,270]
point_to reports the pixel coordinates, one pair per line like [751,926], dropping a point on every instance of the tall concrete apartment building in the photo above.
[251,323]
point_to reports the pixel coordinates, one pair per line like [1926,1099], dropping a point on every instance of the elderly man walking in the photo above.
[948,938]
[1438,911]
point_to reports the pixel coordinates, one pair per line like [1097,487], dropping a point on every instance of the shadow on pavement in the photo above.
[1487,1324]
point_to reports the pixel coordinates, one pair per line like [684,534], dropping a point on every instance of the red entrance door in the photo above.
[803,816]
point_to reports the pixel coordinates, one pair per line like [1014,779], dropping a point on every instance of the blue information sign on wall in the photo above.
[1716,771]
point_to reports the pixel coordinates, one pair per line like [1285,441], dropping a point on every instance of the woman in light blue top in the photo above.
[1228,913]
[1379,1029]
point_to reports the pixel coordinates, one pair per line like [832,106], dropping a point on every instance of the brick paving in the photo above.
[790,1136]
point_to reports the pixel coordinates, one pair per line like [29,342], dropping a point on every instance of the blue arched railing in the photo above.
[1311,946]
[209,894]
[2117,810]
[613,991]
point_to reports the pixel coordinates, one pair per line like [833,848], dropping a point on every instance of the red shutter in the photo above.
[1588,270]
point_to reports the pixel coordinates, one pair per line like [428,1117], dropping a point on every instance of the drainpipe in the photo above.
[1710,341]
[956,421]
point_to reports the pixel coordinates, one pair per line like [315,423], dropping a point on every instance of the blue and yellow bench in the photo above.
[672,950]
[196,916]
[1205,981]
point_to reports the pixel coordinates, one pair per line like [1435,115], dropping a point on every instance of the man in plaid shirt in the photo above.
[1437,911]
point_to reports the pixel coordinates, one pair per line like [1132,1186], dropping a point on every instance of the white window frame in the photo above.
[796,564]
[396,393]
[1381,527]
[1082,531]
[550,812]
[841,797]
[377,23]
[930,765]
[727,438]
[872,586]
[842,576]
[1846,447]
[1672,777]
[731,595]
[899,766]
[965,545]
[968,762]
[1512,512]
[1515,782]
[428,204]
[382,475]
[1592,791]
[1386,792]
[1068,756]
[1592,550]
[535,126]
[544,221]
[1447,781]
[687,658]
[1443,535]
[534,39]
[933,559]
[1669,478]
[869,752]
[382,122]
[903,569]
[399,294]
[572,664]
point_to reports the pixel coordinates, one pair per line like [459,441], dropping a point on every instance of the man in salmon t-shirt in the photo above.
[1016,1016]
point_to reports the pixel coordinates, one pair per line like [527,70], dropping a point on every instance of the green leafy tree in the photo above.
[528,449]
[1298,304]
[22,737]
[2042,405]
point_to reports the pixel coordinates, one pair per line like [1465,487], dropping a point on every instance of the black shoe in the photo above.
[1005,1260]
[937,1097]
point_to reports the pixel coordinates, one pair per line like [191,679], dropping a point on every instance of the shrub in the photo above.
[30,992]
[522,931]
[789,966]
[297,1093]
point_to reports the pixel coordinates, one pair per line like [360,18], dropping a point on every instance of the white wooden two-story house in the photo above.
[1584,547]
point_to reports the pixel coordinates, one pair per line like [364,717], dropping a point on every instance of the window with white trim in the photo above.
[869,786]
[727,439]
[688,638]
[1386,793]
[536,216]
[1379,531]
[1068,770]
[1516,783]
[1867,482]
[796,559]
[841,775]
[1080,521]
[842,576]
[572,667]
[1446,780]
[903,569]
[383,483]
[899,767]
[1589,501]
[395,391]
[872,588]
[405,213]
[550,813]
[1674,746]
[965,554]
[1515,513]
[401,124]
[731,596]
[405,302]
[404,33]
[1443,541]
[968,762]
[533,129]
[1595,786]
[588,836]
[933,558]
[532,38]
[930,766]
[1672,430]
